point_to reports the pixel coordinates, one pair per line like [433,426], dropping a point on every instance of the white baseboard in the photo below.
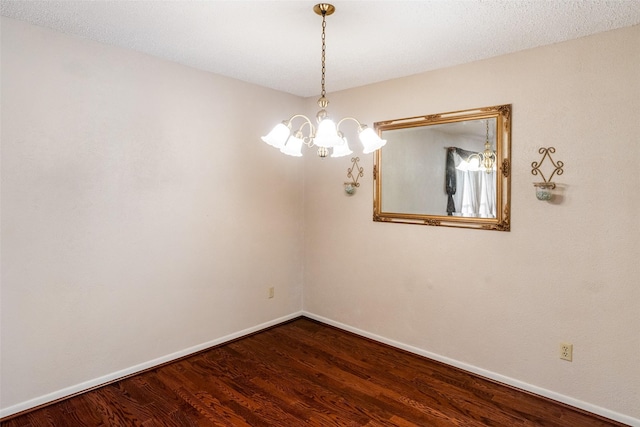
[634,422]
[87,385]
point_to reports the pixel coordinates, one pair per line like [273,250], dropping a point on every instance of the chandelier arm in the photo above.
[360,125]
[308,140]
[295,116]
[305,123]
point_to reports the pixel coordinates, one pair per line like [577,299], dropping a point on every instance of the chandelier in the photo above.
[487,158]
[327,134]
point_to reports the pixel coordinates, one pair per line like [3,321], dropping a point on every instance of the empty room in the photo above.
[380,213]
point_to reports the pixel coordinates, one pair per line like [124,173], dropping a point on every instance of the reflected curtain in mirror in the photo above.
[471,190]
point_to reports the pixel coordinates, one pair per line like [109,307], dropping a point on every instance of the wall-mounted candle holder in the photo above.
[543,189]
[350,187]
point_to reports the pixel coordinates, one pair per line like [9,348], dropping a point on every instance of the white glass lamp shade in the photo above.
[342,149]
[278,136]
[463,165]
[370,141]
[327,134]
[473,164]
[293,147]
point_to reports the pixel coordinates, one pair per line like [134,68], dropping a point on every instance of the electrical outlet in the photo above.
[566,351]
[272,292]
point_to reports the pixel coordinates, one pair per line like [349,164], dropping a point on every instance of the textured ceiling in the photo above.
[277,43]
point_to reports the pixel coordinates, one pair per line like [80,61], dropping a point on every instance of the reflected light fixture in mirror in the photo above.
[327,135]
[485,159]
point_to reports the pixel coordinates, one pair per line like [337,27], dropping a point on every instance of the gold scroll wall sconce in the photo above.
[544,189]
[353,173]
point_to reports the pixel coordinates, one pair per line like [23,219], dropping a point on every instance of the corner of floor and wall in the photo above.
[143,220]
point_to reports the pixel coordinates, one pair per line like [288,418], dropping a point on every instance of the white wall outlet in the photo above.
[566,351]
[272,292]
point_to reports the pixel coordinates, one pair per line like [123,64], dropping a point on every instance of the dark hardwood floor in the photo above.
[306,373]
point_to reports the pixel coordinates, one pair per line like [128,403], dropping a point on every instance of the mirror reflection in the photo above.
[446,169]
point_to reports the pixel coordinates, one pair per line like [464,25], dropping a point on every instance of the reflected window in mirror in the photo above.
[447,169]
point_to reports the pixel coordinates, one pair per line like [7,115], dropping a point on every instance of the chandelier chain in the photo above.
[487,122]
[324,48]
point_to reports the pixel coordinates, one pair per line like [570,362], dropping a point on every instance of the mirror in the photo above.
[449,169]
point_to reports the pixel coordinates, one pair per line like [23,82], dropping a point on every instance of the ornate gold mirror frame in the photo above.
[432,167]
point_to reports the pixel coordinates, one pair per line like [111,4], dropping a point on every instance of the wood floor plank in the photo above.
[304,373]
[372,388]
[325,380]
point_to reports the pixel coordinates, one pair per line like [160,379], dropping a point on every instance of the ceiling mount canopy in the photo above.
[324,9]
[327,135]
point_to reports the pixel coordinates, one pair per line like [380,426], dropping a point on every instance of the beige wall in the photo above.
[568,271]
[142,218]
[141,214]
